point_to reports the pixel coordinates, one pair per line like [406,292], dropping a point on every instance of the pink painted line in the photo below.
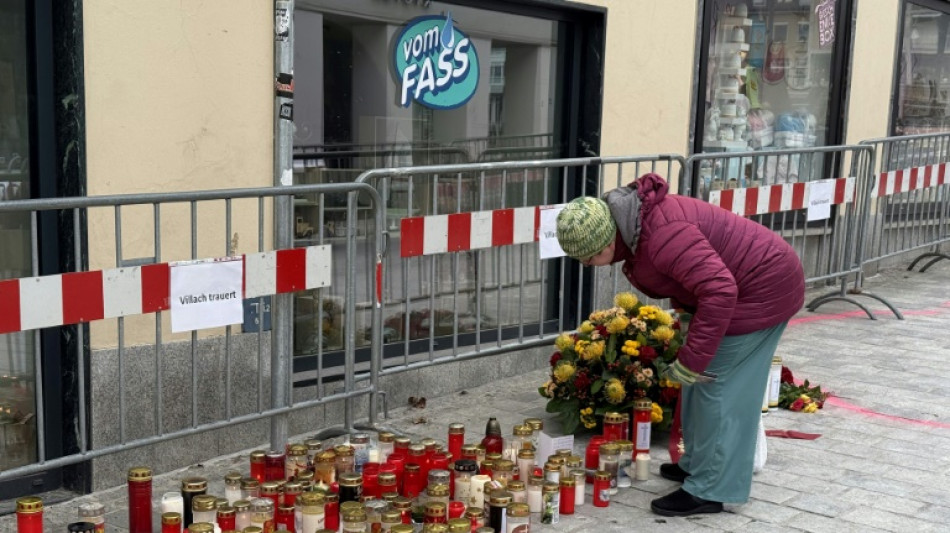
[838,402]
[852,314]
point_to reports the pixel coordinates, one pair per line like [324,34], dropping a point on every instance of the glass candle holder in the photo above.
[140,499]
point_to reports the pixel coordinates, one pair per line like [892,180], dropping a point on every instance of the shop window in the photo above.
[767,82]
[923,75]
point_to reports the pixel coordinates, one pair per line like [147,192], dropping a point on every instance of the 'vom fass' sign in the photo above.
[436,63]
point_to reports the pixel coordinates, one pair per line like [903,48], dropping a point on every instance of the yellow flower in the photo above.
[648,312]
[564,342]
[656,413]
[615,391]
[811,408]
[586,327]
[630,348]
[626,300]
[594,350]
[669,384]
[549,388]
[664,318]
[617,324]
[597,316]
[564,371]
[580,345]
[663,333]
[805,398]
[587,418]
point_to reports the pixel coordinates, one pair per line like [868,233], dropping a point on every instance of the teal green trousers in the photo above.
[721,419]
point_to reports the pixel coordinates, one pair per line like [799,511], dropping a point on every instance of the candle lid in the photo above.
[225,511]
[201,527]
[298,449]
[625,445]
[475,512]
[203,502]
[402,528]
[613,418]
[643,404]
[466,465]
[522,431]
[257,456]
[568,482]
[536,424]
[232,478]
[350,479]
[602,475]
[516,485]
[311,498]
[456,429]
[91,509]
[313,444]
[171,518]
[460,525]
[500,498]
[518,509]
[191,484]
[550,486]
[386,436]
[436,509]
[29,504]
[241,505]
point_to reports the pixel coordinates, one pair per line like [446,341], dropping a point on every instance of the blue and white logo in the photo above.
[436,63]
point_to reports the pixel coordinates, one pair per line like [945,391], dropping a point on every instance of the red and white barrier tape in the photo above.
[438,234]
[910,179]
[777,198]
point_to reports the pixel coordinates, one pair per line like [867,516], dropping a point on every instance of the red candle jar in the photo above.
[601,488]
[567,495]
[398,463]
[456,439]
[430,446]
[285,517]
[435,513]
[613,426]
[401,446]
[592,455]
[414,481]
[404,506]
[371,480]
[642,409]
[171,523]
[493,441]
[29,515]
[439,461]
[271,491]
[140,499]
[331,511]
[417,455]
[385,481]
[257,465]
[456,509]
[292,489]
[274,466]
[227,518]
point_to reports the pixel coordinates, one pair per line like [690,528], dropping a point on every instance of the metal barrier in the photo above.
[152,225]
[910,198]
[786,191]
[474,284]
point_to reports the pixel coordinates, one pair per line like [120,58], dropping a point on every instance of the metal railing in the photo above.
[910,199]
[784,189]
[146,357]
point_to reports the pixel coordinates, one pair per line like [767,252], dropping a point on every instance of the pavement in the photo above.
[882,462]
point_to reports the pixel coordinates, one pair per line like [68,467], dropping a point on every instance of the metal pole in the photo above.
[282,332]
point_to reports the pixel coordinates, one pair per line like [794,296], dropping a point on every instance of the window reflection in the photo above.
[923,103]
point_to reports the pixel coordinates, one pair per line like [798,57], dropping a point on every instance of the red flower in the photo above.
[676,324]
[582,381]
[603,331]
[647,355]
[555,358]
[797,405]
[668,395]
[787,376]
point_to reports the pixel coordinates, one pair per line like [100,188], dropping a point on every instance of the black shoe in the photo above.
[673,472]
[682,503]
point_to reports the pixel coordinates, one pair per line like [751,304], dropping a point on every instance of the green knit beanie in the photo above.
[585,227]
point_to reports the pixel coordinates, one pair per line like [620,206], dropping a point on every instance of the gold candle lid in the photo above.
[456,429]
[522,431]
[241,505]
[550,486]
[403,528]
[140,473]
[460,525]
[643,404]
[171,518]
[436,509]
[475,512]
[567,481]
[257,456]
[29,504]
[344,450]
[350,479]
[536,424]
[613,418]
[203,502]
[391,516]
[602,475]
[201,527]
[311,498]
[386,436]
[516,485]
[193,484]
[500,498]
[518,509]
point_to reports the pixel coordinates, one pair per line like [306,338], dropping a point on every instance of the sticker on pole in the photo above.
[436,63]
[206,294]
[548,245]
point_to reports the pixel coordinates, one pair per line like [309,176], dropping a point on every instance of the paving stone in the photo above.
[822,504]
[888,521]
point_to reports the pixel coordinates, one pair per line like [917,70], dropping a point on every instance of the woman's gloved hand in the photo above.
[678,372]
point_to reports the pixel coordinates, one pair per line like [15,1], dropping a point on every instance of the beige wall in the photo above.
[649,75]
[872,76]
[179,96]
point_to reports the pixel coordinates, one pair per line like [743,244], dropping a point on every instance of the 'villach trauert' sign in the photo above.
[436,63]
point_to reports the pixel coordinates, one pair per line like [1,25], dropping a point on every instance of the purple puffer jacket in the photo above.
[734,274]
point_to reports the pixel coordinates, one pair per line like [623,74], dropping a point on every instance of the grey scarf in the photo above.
[624,204]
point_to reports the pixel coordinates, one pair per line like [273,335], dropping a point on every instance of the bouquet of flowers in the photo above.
[806,397]
[613,359]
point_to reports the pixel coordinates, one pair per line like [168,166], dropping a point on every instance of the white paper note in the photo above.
[206,294]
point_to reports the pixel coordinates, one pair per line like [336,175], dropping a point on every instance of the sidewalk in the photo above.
[881,464]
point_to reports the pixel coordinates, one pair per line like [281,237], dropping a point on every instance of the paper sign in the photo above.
[825,12]
[548,445]
[820,195]
[547,232]
[206,294]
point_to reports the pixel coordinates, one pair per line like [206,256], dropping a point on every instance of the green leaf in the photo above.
[642,339]
[595,388]
[611,354]
[554,405]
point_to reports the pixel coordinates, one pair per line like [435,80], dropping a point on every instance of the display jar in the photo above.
[498,502]
[297,461]
[534,493]
[324,470]
[525,464]
[385,442]
[29,515]
[258,465]
[309,513]
[371,480]
[250,488]
[518,518]
[331,511]
[351,487]
[552,472]
[284,518]
[386,482]
[232,487]
[314,446]
[292,489]
[226,517]
[401,446]
[171,523]
[609,461]
[262,514]
[95,514]
[242,514]
[574,462]
[470,451]
[438,492]
[464,470]
[520,440]
[360,444]
[413,481]
[537,426]
[430,446]
[417,456]
[626,459]
[345,459]
[476,516]
[550,503]
[592,455]
[580,483]
[274,465]
[140,499]
[203,508]
[436,512]
[642,423]
[271,491]
[398,464]
[601,488]
[456,439]
[354,521]
[503,471]
[404,506]
[567,495]
[518,490]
